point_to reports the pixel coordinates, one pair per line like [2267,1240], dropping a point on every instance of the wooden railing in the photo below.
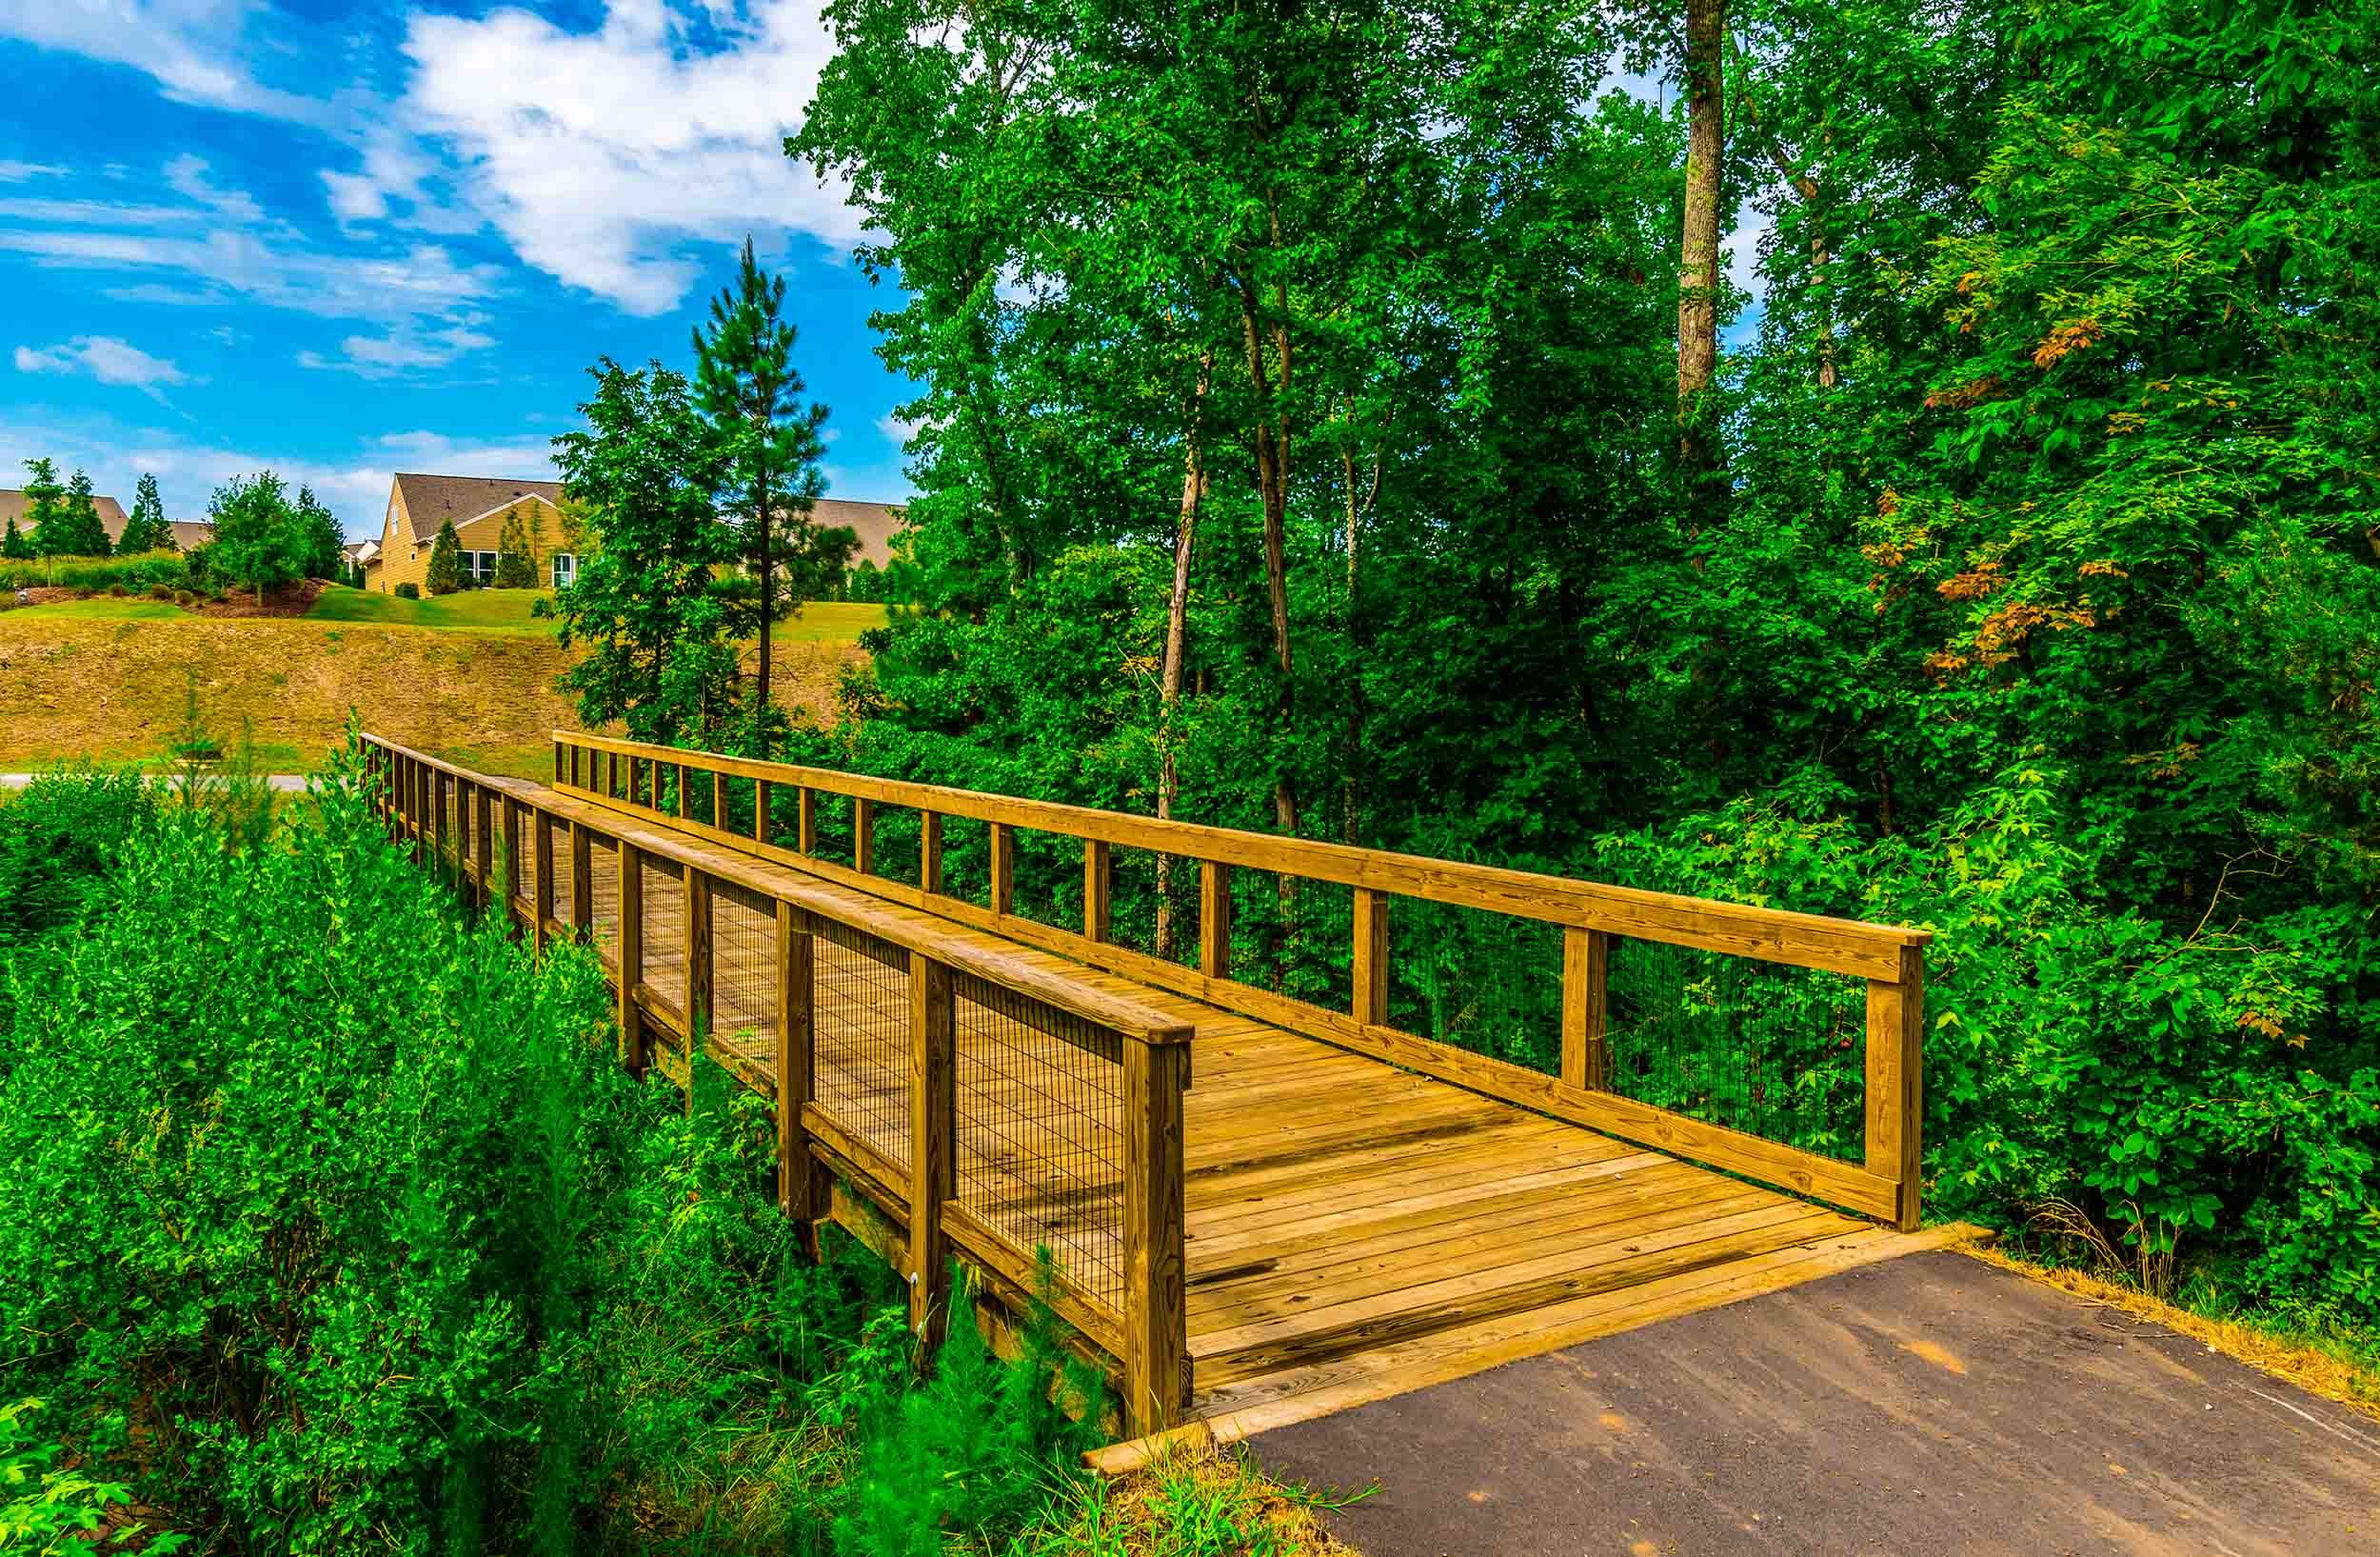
[1728,974]
[1024,1121]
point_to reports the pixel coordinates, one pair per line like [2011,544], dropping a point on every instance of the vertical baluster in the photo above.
[805,839]
[1586,1007]
[760,810]
[1370,1003]
[581,882]
[698,970]
[930,851]
[933,1142]
[631,971]
[1214,919]
[797,1057]
[1003,869]
[864,835]
[719,799]
[1098,889]
[542,896]
[1157,1354]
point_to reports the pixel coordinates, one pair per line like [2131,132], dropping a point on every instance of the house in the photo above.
[16,505]
[875,524]
[478,506]
[359,553]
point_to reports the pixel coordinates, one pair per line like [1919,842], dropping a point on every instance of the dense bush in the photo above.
[332,1224]
[408,590]
[141,571]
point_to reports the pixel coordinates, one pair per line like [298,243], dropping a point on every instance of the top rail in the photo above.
[1132,1019]
[1855,948]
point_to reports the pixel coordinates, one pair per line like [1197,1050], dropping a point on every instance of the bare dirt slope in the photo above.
[116,689]
[1932,1404]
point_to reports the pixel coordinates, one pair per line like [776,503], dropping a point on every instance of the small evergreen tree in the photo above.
[77,530]
[321,547]
[516,553]
[14,546]
[146,530]
[446,561]
[45,503]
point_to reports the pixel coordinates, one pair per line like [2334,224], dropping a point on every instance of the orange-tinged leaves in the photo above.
[2066,338]
[1964,396]
[1974,584]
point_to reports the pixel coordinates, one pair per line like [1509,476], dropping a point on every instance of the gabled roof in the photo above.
[16,505]
[430,501]
[875,523]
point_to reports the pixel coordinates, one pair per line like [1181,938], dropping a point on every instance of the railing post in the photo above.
[760,810]
[806,816]
[1214,919]
[512,862]
[486,839]
[631,957]
[797,1058]
[1003,869]
[581,882]
[541,892]
[1098,889]
[930,851]
[862,834]
[1586,1007]
[1369,1003]
[557,761]
[1156,1355]
[698,970]
[933,1142]
[1896,1018]
[719,800]
[682,805]
[611,775]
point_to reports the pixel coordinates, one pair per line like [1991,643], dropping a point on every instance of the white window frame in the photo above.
[565,570]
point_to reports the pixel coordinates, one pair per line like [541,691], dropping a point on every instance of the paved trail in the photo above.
[1928,1405]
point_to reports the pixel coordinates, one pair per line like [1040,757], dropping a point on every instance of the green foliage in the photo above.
[262,540]
[516,555]
[408,590]
[660,625]
[14,546]
[446,561]
[315,536]
[146,529]
[51,1510]
[58,836]
[134,572]
[63,521]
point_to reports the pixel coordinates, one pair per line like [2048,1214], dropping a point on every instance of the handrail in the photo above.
[1130,1305]
[1130,1017]
[1856,947]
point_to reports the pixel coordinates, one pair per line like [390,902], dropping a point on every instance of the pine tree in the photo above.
[446,561]
[146,530]
[77,530]
[45,506]
[516,555]
[319,543]
[13,544]
[769,442]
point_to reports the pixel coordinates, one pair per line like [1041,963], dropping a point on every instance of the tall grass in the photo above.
[138,571]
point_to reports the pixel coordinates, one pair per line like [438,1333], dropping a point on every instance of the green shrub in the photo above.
[161,592]
[141,571]
[117,592]
[51,1510]
[408,590]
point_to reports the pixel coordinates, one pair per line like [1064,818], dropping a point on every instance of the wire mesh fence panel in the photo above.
[1488,982]
[1758,1046]
[967,859]
[1152,904]
[899,833]
[862,1034]
[1040,1133]
[833,823]
[560,906]
[602,868]
[739,814]
[1293,936]
[1048,886]
[663,959]
[744,976]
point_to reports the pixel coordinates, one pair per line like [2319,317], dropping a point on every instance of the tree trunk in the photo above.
[1698,261]
[1272,479]
[759,706]
[1177,634]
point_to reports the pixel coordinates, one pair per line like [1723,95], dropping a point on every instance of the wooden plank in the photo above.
[1851,946]
[1214,920]
[864,836]
[797,1052]
[1586,1005]
[806,819]
[542,897]
[631,969]
[929,852]
[1370,1001]
[1098,887]
[984,1242]
[698,970]
[719,799]
[1156,1357]
[933,1142]
[760,810]
[581,882]
[1896,1081]
[1003,896]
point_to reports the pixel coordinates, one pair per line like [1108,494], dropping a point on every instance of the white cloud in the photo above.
[192,48]
[18,172]
[599,155]
[105,358]
[385,357]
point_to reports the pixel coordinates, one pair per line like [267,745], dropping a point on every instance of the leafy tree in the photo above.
[446,561]
[147,528]
[770,445]
[257,542]
[659,626]
[321,544]
[516,555]
[77,530]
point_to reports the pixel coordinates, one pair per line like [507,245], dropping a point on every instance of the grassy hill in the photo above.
[469,677]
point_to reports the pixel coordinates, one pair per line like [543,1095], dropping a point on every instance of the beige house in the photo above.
[478,506]
[874,523]
[16,505]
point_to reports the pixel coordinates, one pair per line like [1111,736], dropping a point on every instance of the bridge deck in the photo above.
[1352,1229]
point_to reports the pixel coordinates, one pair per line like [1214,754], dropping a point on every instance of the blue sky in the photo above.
[345,239]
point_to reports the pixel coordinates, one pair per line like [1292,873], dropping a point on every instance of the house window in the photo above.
[566,570]
[480,568]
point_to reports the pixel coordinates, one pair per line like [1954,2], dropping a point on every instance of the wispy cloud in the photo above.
[192,48]
[105,358]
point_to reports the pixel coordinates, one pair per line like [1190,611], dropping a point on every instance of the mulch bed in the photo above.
[289,600]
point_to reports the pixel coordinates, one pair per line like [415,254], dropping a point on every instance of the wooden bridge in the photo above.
[1275,1126]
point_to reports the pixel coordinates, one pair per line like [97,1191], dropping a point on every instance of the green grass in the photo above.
[507,610]
[100,608]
